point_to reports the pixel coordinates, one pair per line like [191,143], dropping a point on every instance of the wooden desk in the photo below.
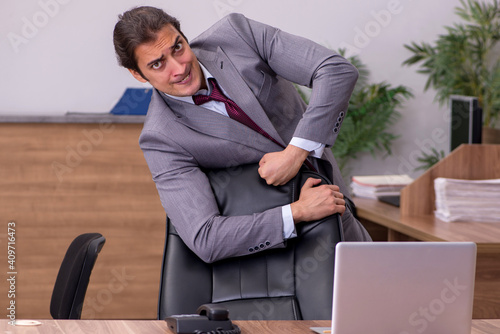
[385,223]
[160,327]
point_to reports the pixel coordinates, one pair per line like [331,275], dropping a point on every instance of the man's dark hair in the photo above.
[137,26]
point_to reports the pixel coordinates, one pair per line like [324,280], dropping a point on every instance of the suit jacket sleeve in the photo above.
[188,199]
[331,77]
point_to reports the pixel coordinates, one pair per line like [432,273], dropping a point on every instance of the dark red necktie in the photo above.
[235,112]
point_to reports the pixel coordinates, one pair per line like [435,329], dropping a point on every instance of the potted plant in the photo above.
[464,61]
[371,112]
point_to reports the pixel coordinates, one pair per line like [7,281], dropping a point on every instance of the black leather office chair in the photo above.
[74,275]
[291,283]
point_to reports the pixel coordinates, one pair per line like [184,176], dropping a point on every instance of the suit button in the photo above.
[339,119]
[341,114]
[256,248]
[250,250]
[335,130]
[268,243]
[337,124]
[262,246]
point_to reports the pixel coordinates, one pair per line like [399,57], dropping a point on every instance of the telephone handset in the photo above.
[210,319]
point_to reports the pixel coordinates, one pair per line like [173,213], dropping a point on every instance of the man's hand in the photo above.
[277,168]
[317,202]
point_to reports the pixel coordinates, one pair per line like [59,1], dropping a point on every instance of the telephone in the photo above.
[211,319]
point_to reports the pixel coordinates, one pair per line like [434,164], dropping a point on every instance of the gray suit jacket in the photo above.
[256,65]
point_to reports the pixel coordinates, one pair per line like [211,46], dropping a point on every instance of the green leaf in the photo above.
[464,59]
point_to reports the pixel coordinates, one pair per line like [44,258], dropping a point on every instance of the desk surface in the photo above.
[160,327]
[428,227]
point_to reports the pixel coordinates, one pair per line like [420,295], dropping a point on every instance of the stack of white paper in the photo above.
[373,186]
[467,200]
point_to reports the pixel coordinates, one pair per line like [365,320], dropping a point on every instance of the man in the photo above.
[253,65]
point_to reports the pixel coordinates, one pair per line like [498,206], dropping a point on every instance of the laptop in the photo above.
[392,200]
[403,288]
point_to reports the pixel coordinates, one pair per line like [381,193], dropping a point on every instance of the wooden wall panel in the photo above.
[60,180]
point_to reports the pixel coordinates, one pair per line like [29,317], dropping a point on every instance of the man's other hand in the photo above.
[317,201]
[277,168]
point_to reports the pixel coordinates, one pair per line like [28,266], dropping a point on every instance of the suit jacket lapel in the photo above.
[217,125]
[221,67]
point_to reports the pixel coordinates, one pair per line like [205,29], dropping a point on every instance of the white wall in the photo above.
[57,55]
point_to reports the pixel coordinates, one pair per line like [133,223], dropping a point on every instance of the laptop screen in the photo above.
[403,287]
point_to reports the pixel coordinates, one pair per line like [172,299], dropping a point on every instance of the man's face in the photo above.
[169,64]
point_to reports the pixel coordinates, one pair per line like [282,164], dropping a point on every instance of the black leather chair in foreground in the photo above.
[74,275]
[290,283]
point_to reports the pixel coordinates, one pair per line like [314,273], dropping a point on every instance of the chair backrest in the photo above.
[74,275]
[290,283]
